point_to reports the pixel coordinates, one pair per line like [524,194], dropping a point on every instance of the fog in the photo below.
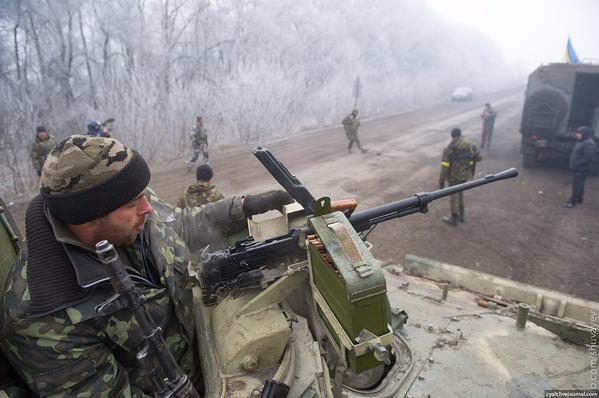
[530,32]
[255,70]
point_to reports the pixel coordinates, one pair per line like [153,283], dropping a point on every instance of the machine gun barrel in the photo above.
[366,219]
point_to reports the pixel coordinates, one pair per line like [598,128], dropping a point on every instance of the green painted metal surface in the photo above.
[354,288]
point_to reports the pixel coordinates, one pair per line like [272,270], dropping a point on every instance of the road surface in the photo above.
[515,228]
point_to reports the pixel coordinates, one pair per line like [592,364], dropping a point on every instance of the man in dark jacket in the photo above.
[581,159]
[95,188]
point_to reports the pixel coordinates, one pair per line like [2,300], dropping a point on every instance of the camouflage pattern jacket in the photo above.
[40,150]
[459,161]
[351,125]
[69,350]
[199,137]
[199,194]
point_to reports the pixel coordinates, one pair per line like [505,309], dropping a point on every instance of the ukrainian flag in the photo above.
[571,57]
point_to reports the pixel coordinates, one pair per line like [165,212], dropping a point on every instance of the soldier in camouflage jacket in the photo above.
[202,191]
[40,148]
[351,124]
[457,166]
[199,143]
[95,188]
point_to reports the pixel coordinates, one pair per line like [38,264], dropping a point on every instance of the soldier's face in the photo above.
[43,135]
[121,226]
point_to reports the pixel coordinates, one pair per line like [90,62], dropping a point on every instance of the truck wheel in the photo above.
[530,160]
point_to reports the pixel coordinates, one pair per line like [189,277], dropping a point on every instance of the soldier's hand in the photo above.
[263,202]
[39,173]
[441,184]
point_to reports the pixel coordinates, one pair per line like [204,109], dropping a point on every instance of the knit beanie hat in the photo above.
[204,173]
[85,178]
[456,132]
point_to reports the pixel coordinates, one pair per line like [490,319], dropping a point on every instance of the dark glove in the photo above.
[441,184]
[39,173]
[263,202]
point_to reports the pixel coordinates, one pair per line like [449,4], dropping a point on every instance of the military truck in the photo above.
[559,98]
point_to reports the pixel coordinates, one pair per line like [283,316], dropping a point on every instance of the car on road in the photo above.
[462,94]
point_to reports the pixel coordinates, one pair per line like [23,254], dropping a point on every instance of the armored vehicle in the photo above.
[302,308]
[559,99]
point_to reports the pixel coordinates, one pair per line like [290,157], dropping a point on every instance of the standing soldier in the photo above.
[457,166]
[351,123]
[40,148]
[581,161]
[199,143]
[202,191]
[489,114]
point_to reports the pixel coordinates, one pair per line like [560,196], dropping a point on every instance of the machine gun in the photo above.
[242,265]
[167,378]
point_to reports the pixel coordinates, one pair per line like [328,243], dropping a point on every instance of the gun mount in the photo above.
[347,308]
[240,266]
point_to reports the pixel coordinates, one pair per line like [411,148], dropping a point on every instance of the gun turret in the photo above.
[347,285]
[241,265]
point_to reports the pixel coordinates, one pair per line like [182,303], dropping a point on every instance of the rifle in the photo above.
[242,265]
[168,380]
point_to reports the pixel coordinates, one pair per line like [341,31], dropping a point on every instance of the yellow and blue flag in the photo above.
[571,57]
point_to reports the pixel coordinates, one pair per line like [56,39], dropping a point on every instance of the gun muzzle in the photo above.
[106,252]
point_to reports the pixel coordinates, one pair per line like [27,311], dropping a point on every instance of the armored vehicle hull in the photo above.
[324,318]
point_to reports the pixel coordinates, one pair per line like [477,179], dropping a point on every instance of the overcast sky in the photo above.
[530,32]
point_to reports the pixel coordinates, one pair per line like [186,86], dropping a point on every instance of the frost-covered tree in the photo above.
[253,68]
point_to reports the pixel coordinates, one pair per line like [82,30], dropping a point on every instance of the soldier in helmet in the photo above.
[202,191]
[199,143]
[95,188]
[41,147]
[457,166]
[351,123]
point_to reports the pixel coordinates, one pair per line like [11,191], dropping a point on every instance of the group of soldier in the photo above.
[95,188]
[195,194]
[457,165]
[458,162]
